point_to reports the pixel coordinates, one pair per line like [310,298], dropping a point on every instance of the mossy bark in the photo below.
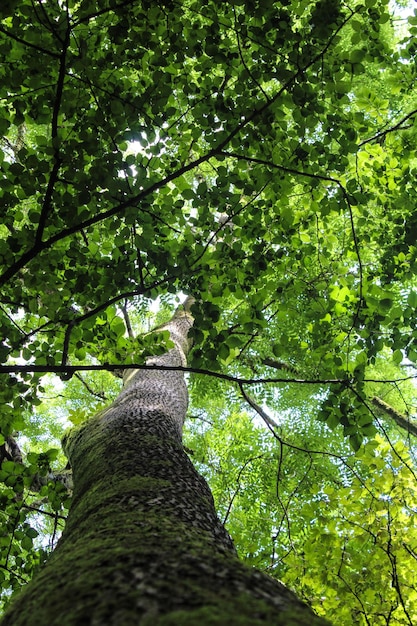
[143,544]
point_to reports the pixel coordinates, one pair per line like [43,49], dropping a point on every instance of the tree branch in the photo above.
[48,513]
[28,44]
[53,177]
[126,318]
[238,486]
[97,394]
[283,168]
[96,14]
[401,420]
[383,133]
[69,371]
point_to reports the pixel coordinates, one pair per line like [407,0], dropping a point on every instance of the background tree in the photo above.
[259,156]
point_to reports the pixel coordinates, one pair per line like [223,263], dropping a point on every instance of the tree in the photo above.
[259,156]
[142,540]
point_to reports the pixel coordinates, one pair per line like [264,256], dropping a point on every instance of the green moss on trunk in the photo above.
[143,544]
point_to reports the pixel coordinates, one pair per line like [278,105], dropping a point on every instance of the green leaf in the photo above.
[397,356]
[355,441]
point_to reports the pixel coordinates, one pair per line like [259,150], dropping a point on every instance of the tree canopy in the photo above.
[260,156]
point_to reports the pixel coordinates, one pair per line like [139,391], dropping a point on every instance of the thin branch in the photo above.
[14,573]
[67,337]
[92,313]
[70,370]
[398,126]
[285,515]
[355,594]
[272,426]
[12,535]
[393,560]
[283,168]
[391,380]
[268,420]
[10,318]
[221,227]
[322,177]
[358,256]
[237,489]
[48,513]
[110,367]
[19,94]
[46,22]
[53,177]
[97,394]
[291,495]
[138,258]
[243,60]
[30,334]
[46,205]
[28,44]
[52,541]
[410,551]
[113,8]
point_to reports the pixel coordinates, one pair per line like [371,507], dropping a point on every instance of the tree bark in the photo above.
[143,544]
[410,426]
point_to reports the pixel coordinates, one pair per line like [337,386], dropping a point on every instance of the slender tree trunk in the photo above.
[143,544]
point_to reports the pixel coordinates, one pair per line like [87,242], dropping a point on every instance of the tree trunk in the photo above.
[143,544]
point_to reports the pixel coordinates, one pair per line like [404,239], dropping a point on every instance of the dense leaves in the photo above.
[260,156]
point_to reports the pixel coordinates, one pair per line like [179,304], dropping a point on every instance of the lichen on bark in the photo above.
[143,544]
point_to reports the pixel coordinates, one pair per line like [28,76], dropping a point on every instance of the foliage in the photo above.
[260,156]
[305,500]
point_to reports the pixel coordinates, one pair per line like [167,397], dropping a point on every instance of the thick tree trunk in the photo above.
[143,544]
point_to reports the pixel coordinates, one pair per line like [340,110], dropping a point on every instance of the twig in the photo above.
[381,134]
[97,394]
[236,491]
[48,513]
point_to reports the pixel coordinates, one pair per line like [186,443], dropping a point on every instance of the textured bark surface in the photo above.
[143,544]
